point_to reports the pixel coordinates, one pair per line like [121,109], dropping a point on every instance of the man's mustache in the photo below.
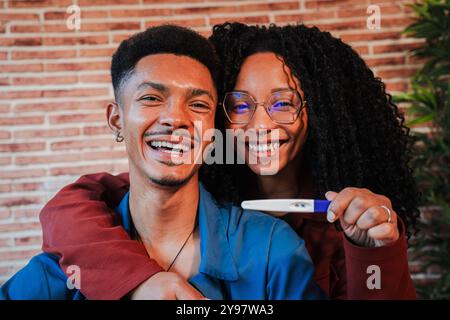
[172,133]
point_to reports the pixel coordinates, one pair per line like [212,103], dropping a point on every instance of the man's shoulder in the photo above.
[41,279]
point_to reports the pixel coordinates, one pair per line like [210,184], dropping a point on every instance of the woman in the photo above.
[339,131]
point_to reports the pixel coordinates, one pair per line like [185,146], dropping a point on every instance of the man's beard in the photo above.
[171,182]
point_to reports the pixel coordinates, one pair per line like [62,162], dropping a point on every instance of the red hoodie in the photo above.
[80,226]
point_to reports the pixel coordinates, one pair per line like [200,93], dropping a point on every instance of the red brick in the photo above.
[301,17]
[4,161]
[84,14]
[108,52]
[397,47]
[361,50]
[319,4]
[19,95]
[5,81]
[369,36]
[39,3]
[105,2]
[28,241]
[22,16]
[80,170]
[248,19]
[22,42]
[43,159]
[79,66]
[5,134]
[5,214]
[23,81]
[55,106]
[141,13]
[91,130]
[5,121]
[20,213]
[48,54]
[86,92]
[78,118]
[95,78]
[22,173]
[64,132]
[18,255]
[111,26]
[196,22]
[18,147]
[35,67]
[389,61]
[397,73]
[34,28]
[362,12]
[3,55]
[72,40]
[82,144]
[4,108]
[28,186]
[17,201]
[107,155]
[5,188]
[342,25]
[5,242]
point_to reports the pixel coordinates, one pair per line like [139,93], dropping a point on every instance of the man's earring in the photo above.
[119,138]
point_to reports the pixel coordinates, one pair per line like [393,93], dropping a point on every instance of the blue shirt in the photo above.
[244,255]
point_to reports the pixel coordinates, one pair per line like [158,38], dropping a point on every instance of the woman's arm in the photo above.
[80,226]
[379,273]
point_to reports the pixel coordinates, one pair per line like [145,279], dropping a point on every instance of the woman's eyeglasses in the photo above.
[282,106]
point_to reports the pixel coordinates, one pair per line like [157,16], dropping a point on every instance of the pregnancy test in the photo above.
[287,205]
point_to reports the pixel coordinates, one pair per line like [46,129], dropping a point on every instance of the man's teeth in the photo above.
[264,147]
[169,145]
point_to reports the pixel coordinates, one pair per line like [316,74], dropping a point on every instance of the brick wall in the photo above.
[54,83]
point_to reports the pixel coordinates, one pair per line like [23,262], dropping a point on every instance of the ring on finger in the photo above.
[388,211]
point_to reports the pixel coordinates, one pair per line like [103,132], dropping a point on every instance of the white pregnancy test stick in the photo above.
[287,205]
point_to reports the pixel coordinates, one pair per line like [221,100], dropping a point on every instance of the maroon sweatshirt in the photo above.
[80,226]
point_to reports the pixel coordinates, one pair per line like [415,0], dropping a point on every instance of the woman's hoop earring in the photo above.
[119,138]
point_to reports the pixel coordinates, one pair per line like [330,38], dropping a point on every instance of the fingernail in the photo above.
[330,216]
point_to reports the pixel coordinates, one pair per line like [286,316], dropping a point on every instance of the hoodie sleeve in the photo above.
[80,228]
[379,273]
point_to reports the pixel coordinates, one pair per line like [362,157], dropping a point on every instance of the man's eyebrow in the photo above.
[154,85]
[194,92]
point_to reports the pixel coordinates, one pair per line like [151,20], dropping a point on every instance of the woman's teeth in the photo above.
[264,147]
[176,147]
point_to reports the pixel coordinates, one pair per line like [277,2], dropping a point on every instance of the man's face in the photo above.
[159,104]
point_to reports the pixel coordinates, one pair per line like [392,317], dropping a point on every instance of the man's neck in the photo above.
[163,214]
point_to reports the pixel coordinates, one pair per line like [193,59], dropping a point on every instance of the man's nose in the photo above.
[175,115]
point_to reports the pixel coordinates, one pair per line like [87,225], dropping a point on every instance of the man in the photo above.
[165,81]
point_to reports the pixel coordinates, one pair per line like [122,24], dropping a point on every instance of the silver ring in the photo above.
[389,213]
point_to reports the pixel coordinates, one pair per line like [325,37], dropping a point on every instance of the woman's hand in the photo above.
[364,221]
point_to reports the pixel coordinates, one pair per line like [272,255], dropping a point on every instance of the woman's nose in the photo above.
[261,119]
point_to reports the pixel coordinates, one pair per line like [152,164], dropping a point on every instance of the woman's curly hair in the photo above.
[356,133]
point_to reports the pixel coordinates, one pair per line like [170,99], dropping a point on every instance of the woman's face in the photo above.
[262,74]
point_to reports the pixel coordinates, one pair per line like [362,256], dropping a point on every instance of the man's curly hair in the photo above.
[356,133]
[162,39]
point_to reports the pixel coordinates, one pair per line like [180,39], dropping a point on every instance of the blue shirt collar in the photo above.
[216,258]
